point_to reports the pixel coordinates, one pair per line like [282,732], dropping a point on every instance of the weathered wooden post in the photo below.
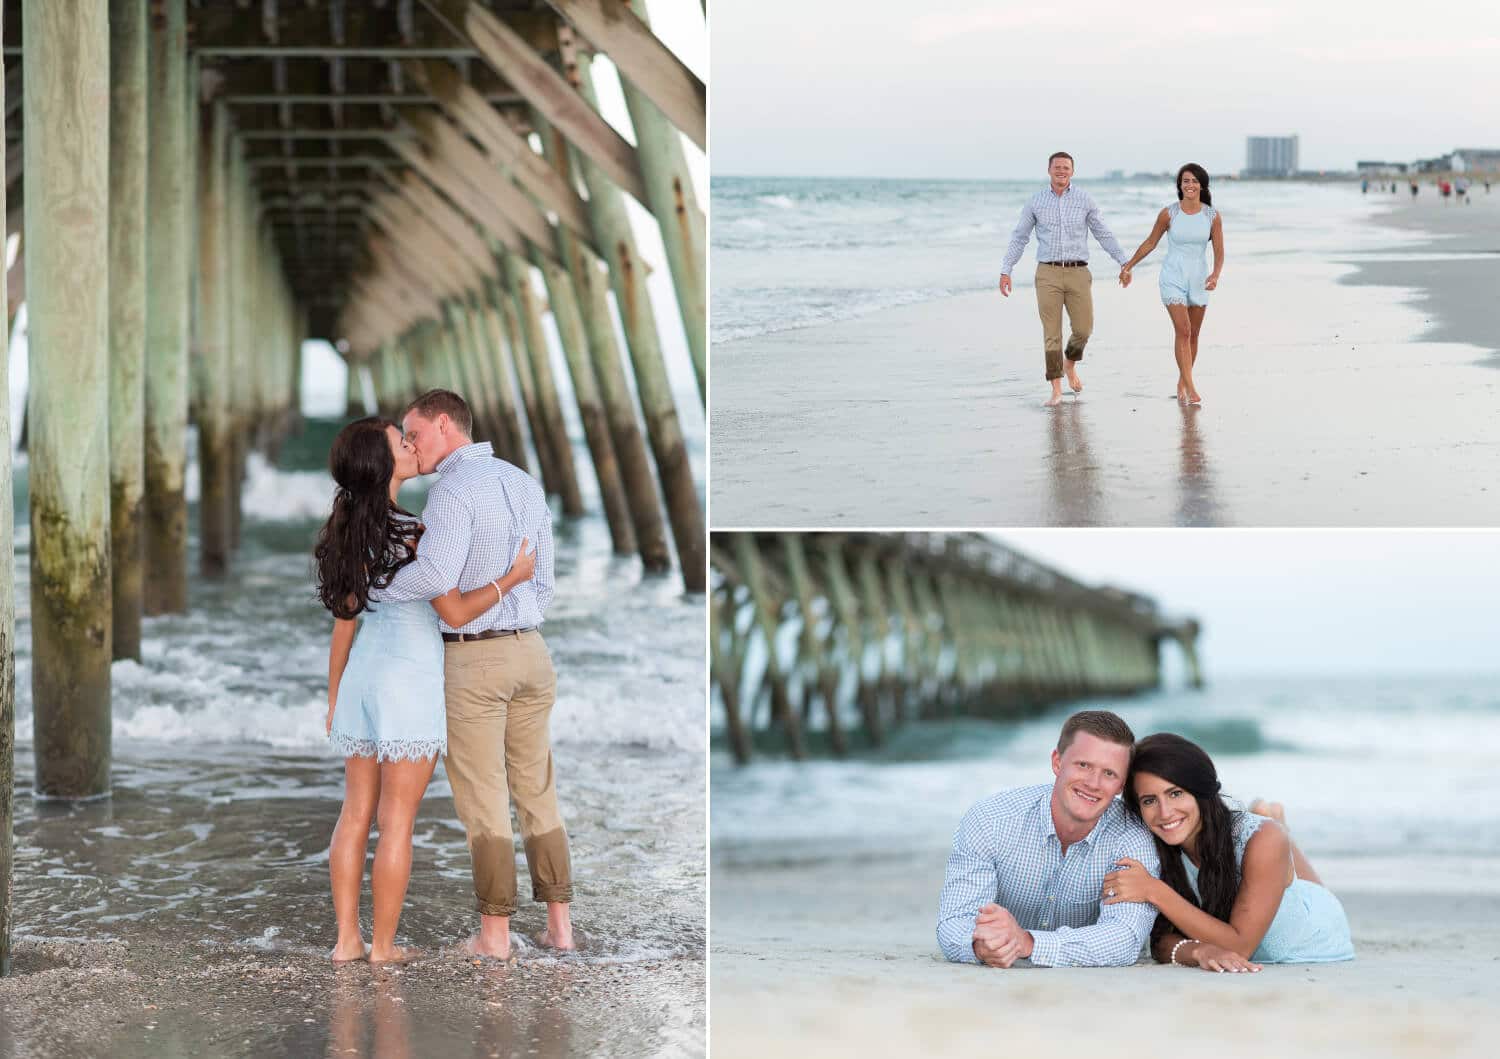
[7,619]
[215,428]
[67,238]
[168,227]
[127,318]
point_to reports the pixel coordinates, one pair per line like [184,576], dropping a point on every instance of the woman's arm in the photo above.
[459,608]
[1163,222]
[1172,947]
[1216,233]
[1264,877]
[338,658]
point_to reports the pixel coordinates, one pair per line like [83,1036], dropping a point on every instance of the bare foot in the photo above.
[1274,810]
[1073,379]
[1181,394]
[475,946]
[395,955]
[563,942]
[1053,401]
[349,951]
[1193,397]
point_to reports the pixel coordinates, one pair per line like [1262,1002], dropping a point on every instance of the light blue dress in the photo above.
[1310,926]
[1185,270]
[390,703]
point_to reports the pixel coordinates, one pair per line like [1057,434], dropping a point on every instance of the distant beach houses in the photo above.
[1458,160]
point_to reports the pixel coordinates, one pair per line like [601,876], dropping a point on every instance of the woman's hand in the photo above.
[1129,881]
[1217,958]
[1211,282]
[1124,275]
[525,565]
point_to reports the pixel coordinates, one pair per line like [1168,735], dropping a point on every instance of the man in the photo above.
[1026,876]
[1062,216]
[499,680]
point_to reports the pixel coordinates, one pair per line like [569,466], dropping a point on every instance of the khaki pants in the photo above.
[1056,289]
[500,694]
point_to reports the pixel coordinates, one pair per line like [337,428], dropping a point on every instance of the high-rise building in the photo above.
[1270,155]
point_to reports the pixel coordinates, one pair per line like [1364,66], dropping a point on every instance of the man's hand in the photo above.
[1124,276]
[1005,286]
[999,940]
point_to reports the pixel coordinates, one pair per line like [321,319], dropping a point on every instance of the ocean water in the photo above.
[796,252]
[225,792]
[1370,770]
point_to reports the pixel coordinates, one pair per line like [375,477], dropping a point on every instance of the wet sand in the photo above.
[1337,393]
[188,916]
[822,954]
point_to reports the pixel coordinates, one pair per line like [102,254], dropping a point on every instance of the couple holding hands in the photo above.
[1063,216]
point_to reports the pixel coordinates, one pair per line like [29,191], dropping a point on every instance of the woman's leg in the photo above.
[346,854]
[1195,321]
[1183,350]
[402,784]
[1300,863]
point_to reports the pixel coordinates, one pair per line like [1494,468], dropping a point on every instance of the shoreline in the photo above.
[1340,407]
[842,950]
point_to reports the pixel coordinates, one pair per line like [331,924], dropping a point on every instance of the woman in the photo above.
[1234,887]
[385,695]
[1189,223]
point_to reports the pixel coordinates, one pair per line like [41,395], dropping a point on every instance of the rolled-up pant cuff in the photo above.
[489,908]
[559,892]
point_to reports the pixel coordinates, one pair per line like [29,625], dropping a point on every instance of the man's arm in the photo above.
[1114,941]
[441,553]
[1104,235]
[971,882]
[1018,239]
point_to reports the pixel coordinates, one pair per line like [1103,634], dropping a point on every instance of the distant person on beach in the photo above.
[1063,216]
[1229,879]
[385,687]
[1445,189]
[499,683]
[1461,190]
[1190,224]
[1028,864]
[1413,189]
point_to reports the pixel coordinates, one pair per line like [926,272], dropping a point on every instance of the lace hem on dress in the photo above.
[387,749]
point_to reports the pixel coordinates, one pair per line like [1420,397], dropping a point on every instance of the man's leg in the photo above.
[1049,306]
[1078,299]
[528,766]
[478,700]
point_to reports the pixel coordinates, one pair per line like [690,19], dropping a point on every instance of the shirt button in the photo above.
[1044,922]
[1051,897]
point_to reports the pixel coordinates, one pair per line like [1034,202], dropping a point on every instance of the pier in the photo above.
[201,186]
[832,640]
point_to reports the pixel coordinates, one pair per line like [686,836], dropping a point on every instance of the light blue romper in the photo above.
[1310,926]
[390,703]
[1186,267]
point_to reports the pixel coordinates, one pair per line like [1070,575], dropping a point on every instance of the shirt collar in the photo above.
[458,455]
[1066,191]
[1049,826]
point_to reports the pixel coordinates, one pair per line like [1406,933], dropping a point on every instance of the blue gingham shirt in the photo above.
[476,516]
[1062,224]
[1006,852]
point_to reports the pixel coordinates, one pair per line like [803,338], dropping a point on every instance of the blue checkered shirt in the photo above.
[1062,224]
[476,516]
[1006,852]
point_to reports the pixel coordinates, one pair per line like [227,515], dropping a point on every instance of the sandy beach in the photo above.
[1340,390]
[835,955]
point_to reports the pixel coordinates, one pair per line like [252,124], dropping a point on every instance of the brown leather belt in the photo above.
[488,634]
[1068,264]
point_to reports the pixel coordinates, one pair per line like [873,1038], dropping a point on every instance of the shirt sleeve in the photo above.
[1104,235]
[542,577]
[1123,929]
[971,882]
[1018,239]
[441,553]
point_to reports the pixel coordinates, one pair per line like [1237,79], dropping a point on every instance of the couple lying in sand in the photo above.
[449,660]
[1066,875]
[1063,216]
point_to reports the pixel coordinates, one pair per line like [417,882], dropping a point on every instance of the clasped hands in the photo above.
[1124,275]
[999,940]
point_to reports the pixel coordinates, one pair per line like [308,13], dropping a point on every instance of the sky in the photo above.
[1284,602]
[984,89]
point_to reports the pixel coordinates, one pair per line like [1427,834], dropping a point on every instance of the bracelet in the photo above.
[499,592]
[1179,945]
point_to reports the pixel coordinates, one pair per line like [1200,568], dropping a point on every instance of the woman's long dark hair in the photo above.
[362,544]
[1184,764]
[1202,175]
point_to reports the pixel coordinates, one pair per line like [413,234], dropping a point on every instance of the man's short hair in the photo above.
[434,403]
[1100,723]
[1060,154]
